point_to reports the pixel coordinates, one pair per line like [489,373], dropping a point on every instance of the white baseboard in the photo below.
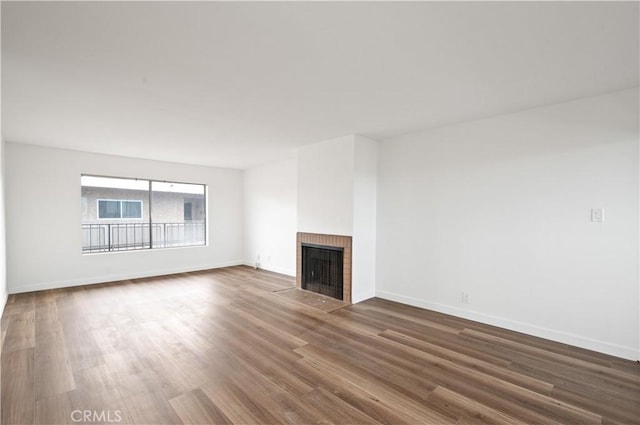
[116,277]
[3,302]
[629,353]
[362,296]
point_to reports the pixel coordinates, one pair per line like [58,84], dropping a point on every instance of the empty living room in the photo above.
[340,212]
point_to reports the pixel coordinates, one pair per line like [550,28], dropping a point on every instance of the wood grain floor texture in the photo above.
[224,347]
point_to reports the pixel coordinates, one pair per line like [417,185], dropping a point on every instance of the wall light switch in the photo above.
[597,215]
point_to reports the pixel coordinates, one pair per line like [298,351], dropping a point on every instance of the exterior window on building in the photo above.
[131,209]
[108,208]
[120,214]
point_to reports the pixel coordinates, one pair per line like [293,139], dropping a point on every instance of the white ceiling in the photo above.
[238,84]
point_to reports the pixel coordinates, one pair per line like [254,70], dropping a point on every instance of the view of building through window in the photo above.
[121,214]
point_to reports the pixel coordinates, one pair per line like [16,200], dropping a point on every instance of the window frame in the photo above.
[149,220]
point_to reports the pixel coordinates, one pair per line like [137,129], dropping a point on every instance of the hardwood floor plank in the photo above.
[20,331]
[236,405]
[356,396]
[150,407]
[19,303]
[370,368]
[340,412]
[52,365]
[55,410]
[469,410]
[178,374]
[82,350]
[278,370]
[462,359]
[270,331]
[624,412]
[393,318]
[267,391]
[95,387]
[18,385]
[558,358]
[131,374]
[383,393]
[109,339]
[225,346]
[46,316]
[606,390]
[441,338]
[450,373]
[196,408]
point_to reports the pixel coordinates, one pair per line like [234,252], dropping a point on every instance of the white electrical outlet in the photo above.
[597,215]
[466,298]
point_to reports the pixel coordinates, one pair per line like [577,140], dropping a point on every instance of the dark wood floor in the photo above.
[223,346]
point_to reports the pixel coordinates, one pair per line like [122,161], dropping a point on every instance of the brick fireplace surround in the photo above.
[327,240]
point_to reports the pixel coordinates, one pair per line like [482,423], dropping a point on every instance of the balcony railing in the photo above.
[132,236]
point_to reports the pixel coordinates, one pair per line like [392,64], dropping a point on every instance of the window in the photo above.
[111,208]
[120,214]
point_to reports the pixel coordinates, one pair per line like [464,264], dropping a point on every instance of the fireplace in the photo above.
[322,268]
[327,269]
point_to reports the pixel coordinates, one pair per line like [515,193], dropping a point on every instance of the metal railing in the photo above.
[132,236]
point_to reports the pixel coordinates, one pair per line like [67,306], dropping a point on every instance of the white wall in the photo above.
[3,264]
[364,219]
[3,252]
[500,208]
[325,187]
[43,209]
[337,196]
[270,216]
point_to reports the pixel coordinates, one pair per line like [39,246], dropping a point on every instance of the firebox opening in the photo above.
[322,268]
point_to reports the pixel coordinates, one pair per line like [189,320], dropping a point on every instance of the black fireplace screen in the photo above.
[322,270]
